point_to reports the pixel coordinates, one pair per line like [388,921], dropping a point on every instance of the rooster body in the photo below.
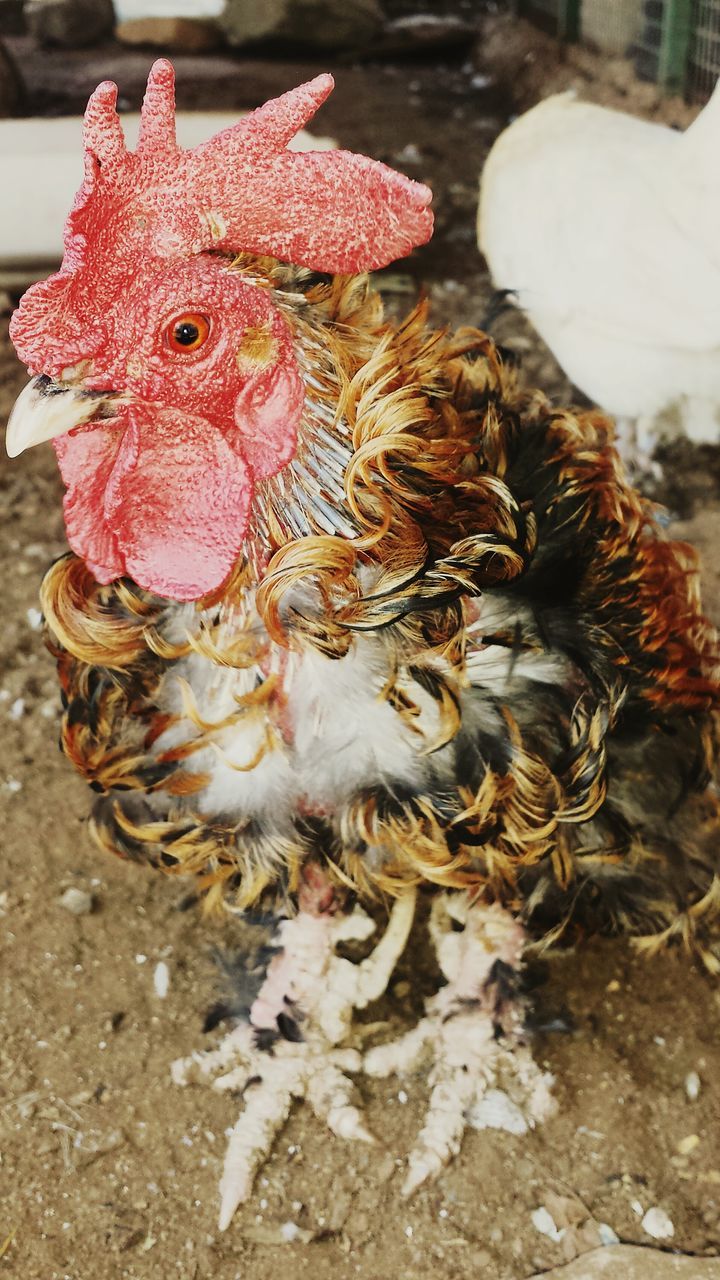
[465,701]
[347,610]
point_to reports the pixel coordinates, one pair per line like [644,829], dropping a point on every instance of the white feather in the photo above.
[333,732]
[606,228]
[328,731]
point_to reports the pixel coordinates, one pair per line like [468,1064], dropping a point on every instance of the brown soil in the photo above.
[106,1169]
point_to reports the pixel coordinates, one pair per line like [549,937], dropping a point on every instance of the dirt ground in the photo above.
[106,1169]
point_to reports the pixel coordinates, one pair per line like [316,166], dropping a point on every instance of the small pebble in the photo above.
[77,901]
[545,1224]
[688,1144]
[17,709]
[35,619]
[161,980]
[657,1224]
[410,154]
[613,986]
[606,1234]
[692,1085]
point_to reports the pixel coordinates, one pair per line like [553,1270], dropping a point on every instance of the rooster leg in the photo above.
[294,1045]
[482,1074]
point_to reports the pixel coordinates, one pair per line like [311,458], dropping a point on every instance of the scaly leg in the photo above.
[482,1073]
[293,1046]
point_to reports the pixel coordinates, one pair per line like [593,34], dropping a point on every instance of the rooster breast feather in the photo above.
[479,665]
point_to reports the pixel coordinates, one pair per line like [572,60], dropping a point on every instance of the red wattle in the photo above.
[266,414]
[169,505]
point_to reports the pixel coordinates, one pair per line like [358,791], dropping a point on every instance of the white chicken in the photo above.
[605,227]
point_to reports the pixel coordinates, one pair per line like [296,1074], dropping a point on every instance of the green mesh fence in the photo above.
[704,52]
[647,46]
[675,43]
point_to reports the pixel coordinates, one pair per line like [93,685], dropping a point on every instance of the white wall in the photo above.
[127,9]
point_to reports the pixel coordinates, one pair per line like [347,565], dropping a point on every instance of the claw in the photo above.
[233,1081]
[329,1092]
[325,989]
[472,1035]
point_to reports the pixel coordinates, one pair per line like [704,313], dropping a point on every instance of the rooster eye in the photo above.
[187,332]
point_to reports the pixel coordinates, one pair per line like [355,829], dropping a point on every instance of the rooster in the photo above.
[347,614]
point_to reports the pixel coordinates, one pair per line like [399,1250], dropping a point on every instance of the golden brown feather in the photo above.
[587,804]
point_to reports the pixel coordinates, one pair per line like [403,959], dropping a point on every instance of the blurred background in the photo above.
[673,43]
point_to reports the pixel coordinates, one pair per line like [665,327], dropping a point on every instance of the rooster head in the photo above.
[168,382]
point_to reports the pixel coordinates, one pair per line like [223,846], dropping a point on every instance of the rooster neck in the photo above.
[308,498]
[337,324]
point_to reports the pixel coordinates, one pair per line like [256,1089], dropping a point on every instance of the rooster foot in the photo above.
[294,1045]
[482,1073]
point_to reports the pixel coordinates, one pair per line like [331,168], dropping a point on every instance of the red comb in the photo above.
[332,211]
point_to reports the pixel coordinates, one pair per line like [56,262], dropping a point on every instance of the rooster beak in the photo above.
[46,409]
